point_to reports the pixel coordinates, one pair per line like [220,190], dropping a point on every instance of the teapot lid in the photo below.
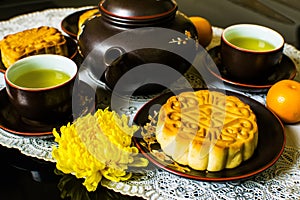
[138,9]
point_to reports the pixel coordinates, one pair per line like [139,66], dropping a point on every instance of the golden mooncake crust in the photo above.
[41,40]
[207,130]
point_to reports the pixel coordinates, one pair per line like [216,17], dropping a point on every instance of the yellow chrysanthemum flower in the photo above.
[96,146]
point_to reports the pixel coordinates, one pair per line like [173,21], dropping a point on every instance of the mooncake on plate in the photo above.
[41,40]
[207,130]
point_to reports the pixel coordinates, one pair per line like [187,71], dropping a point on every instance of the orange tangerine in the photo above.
[283,98]
[204,30]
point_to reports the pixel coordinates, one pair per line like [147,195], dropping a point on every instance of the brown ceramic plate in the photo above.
[70,23]
[270,146]
[11,121]
[72,52]
[285,70]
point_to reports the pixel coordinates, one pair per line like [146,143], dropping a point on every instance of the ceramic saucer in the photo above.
[72,52]
[270,145]
[285,70]
[70,23]
[11,121]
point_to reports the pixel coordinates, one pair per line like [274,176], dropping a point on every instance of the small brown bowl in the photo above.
[250,51]
[31,97]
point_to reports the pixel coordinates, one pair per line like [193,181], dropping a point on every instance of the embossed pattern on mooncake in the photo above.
[41,40]
[207,130]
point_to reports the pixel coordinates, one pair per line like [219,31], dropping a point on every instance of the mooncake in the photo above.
[41,40]
[207,130]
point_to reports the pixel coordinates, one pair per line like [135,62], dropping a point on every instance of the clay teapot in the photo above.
[138,44]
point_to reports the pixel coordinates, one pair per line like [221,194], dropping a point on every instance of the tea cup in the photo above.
[250,52]
[40,87]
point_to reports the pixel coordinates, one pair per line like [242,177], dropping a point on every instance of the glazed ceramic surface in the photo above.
[47,103]
[13,122]
[286,69]
[146,31]
[244,64]
[70,23]
[271,141]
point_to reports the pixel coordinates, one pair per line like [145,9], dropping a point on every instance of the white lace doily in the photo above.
[281,181]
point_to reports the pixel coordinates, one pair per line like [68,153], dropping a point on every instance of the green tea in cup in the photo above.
[41,78]
[252,43]
[250,52]
[40,87]
[41,71]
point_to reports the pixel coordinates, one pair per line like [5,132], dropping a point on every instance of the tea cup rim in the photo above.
[280,45]
[71,64]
